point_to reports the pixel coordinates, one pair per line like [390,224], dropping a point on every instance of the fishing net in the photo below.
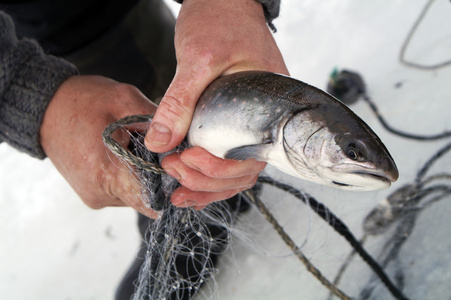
[183,243]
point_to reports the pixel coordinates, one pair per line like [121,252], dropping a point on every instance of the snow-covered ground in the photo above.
[53,247]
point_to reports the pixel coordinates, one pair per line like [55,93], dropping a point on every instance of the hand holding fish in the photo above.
[212,38]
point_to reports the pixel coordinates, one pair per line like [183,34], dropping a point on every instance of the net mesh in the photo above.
[182,244]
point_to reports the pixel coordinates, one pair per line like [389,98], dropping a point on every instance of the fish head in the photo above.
[338,150]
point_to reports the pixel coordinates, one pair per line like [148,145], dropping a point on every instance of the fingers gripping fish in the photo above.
[293,126]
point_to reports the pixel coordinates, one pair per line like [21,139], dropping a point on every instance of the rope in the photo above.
[125,154]
[387,126]
[409,37]
[292,245]
[341,228]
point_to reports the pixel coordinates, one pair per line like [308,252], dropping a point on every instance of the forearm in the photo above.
[28,80]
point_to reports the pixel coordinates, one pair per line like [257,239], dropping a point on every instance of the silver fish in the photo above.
[293,126]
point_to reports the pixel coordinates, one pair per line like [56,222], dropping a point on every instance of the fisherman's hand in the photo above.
[70,135]
[212,38]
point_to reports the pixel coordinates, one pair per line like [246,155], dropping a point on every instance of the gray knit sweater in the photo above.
[28,80]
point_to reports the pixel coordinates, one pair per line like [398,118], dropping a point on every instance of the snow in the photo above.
[54,247]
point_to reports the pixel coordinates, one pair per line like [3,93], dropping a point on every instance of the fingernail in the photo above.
[179,202]
[174,174]
[190,203]
[159,134]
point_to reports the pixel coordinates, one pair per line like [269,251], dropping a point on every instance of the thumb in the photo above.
[173,116]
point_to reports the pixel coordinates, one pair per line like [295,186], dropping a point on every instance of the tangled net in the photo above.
[182,244]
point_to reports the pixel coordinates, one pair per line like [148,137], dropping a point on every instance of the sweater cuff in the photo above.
[271,9]
[32,80]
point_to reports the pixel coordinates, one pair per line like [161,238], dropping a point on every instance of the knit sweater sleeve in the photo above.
[28,80]
[271,9]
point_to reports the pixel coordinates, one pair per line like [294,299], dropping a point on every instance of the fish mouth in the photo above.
[377,177]
[371,182]
[341,184]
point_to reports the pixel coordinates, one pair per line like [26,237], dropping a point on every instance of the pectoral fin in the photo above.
[259,152]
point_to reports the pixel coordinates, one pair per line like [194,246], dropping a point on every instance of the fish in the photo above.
[293,126]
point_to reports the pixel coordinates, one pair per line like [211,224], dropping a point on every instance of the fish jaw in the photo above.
[318,158]
[365,176]
[336,168]
[356,179]
[350,179]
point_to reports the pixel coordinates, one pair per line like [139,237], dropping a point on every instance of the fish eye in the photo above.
[352,155]
[356,151]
